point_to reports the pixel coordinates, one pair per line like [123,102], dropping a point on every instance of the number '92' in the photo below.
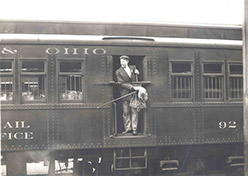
[230,124]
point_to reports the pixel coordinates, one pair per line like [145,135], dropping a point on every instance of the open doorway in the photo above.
[119,125]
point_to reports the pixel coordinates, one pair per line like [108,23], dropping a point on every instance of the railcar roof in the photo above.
[118,40]
[177,30]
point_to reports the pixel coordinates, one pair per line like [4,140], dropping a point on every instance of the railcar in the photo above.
[55,76]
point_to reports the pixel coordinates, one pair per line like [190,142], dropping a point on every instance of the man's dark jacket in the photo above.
[123,78]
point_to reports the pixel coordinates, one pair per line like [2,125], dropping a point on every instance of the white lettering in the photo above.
[74,51]
[231,124]
[86,51]
[23,125]
[99,51]
[18,134]
[8,125]
[10,136]
[8,50]
[17,124]
[52,50]
[28,135]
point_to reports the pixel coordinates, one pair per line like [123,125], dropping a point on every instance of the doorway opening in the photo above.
[119,124]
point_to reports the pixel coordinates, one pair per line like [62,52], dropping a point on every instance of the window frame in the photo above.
[233,76]
[10,74]
[130,158]
[25,74]
[191,74]
[222,74]
[82,73]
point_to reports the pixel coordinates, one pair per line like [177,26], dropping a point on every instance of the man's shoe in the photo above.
[134,132]
[125,132]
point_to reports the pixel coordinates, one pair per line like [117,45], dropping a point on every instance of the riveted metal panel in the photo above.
[25,129]
[175,126]
[80,128]
[222,124]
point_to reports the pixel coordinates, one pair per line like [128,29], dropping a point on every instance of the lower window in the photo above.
[70,87]
[130,158]
[6,89]
[33,88]
[213,87]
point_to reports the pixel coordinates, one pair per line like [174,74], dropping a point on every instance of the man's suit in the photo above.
[125,88]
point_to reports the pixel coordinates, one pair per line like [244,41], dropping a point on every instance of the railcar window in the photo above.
[6,81]
[70,80]
[213,68]
[5,66]
[33,66]
[130,158]
[70,67]
[182,79]
[213,81]
[235,81]
[33,80]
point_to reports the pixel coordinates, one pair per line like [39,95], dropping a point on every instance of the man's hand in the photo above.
[135,88]
[136,72]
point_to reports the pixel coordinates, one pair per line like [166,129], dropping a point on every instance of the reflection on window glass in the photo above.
[122,163]
[236,87]
[37,66]
[213,87]
[5,66]
[130,158]
[70,87]
[70,67]
[182,80]
[125,152]
[213,81]
[6,90]
[212,68]
[33,88]
[236,81]
[236,69]
[137,163]
[181,68]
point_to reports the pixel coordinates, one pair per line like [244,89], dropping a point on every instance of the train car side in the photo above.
[55,90]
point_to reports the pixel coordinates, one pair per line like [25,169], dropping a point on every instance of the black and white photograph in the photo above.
[124,88]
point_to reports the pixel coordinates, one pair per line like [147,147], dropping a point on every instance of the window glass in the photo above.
[6,88]
[181,68]
[236,81]
[70,80]
[213,84]
[182,80]
[122,152]
[236,69]
[33,78]
[137,163]
[70,87]
[6,80]
[130,158]
[70,67]
[213,68]
[37,66]
[213,87]
[5,66]
[33,88]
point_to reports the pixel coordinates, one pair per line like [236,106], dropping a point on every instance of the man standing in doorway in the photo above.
[125,75]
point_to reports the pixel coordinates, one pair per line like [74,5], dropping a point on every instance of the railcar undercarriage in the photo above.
[208,160]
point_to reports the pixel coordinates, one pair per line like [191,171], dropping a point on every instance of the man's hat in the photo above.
[124,57]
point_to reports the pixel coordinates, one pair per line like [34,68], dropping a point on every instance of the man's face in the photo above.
[124,63]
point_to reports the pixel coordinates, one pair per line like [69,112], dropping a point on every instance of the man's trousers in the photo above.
[130,119]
